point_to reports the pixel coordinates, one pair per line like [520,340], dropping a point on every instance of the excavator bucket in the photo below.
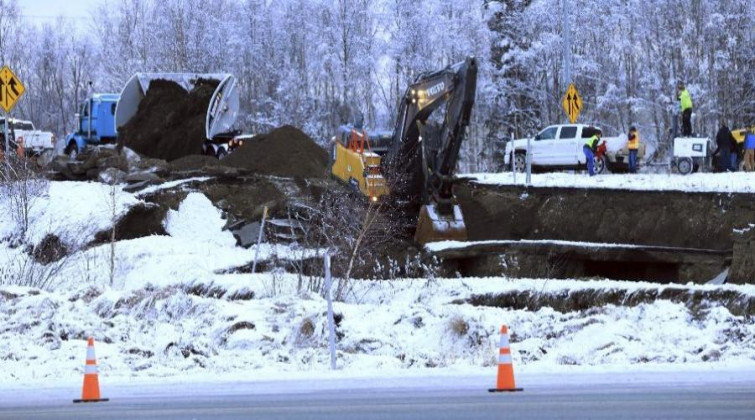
[433,226]
[221,112]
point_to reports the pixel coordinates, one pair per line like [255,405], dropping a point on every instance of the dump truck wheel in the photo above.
[221,153]
[72,150]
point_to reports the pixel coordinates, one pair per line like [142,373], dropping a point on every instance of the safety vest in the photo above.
[592,142]
[634,144]
[685,101]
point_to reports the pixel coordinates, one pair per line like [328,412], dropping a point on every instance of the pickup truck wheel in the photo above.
[72,150]
[599,163]
[222,153]
[520,162]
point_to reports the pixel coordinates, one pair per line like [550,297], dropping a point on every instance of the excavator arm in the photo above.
[422,159]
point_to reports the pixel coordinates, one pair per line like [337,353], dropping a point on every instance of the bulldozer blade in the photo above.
[433,226]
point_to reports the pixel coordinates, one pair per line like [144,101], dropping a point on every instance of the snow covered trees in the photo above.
[316,64]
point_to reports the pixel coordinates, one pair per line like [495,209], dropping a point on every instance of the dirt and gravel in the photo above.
[701,221]
[286,151]
[170,122]
[663,218]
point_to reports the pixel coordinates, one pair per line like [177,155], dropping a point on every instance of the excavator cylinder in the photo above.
[434,226]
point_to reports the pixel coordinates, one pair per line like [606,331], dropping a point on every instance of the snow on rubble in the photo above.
[739,182]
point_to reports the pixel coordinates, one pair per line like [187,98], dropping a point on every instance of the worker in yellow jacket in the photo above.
[633,144]
[685,104]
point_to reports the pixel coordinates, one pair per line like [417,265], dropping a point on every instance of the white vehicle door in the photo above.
[544,145]
[567,145]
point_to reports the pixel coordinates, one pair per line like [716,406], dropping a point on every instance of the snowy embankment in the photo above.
[738,182]
[172,312]
[259,323]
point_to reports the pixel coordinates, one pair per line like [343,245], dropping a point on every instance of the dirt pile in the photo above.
[285,151]
[170,122]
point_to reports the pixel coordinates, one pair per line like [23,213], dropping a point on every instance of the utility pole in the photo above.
[567,44]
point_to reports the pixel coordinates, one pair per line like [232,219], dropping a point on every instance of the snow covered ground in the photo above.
[172,313]
[738,182]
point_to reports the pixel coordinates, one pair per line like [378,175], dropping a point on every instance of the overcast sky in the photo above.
[48,10]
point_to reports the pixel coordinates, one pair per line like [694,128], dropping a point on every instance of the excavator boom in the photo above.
[422,159]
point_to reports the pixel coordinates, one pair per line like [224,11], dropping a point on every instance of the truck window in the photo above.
[547,134]
[568,132]
[587,132]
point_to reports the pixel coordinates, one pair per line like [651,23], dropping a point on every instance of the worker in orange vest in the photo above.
[633,144]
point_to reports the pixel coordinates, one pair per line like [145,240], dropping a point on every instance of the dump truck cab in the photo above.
[95,123]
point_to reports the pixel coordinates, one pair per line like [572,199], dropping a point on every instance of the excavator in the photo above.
[418,165]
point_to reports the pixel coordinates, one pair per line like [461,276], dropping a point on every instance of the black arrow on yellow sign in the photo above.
[573,104]
[12,84]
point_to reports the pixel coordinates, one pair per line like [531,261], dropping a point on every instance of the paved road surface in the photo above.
[685,400]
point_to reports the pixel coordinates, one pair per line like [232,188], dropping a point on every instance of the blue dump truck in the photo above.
[95,123]
[103,113]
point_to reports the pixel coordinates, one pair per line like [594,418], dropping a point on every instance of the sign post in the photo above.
[11,89]
[331,318]
[572,103]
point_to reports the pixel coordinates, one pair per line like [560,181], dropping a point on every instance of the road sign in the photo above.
[572,103]
[10,89]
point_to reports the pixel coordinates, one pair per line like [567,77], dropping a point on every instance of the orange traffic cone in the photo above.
[505,381]
[90,392]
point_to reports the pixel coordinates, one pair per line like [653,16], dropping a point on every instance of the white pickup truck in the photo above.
[560,147]
[32,140]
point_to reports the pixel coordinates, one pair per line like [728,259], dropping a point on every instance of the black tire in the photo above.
[209,150]
[599,164]
[221,153]
[685,166]
[520,162]
[72,150]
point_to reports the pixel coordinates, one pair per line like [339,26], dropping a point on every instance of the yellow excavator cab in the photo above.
[357,165]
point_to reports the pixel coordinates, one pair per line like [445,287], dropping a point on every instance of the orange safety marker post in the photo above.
[90,392]
[505,382]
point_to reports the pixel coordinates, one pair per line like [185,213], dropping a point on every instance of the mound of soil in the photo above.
[193,163]
[170,122]
[285,151]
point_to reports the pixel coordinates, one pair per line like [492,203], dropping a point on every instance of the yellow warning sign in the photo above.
[572,103]
[10,89]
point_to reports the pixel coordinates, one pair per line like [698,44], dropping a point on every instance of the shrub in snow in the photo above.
[458,326]
[21,187]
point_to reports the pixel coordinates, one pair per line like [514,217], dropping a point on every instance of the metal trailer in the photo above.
[691,154]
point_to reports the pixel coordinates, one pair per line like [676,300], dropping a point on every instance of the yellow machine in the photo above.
[420,154]
[355,163]
[739,135]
